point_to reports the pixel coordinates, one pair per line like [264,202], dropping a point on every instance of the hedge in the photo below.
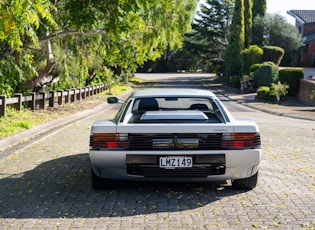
[268,73]
[273,54]
[250,56]
[291,76]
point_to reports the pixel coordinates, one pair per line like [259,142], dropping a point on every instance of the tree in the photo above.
[248,21]
[63,40]
[208,39]
[278,32]
[259,8]
[236,40]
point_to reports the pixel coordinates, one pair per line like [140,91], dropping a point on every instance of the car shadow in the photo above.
[61,188]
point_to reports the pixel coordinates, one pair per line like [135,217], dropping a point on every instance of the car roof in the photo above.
[172,92]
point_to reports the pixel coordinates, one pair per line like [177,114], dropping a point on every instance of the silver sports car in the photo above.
[184,135]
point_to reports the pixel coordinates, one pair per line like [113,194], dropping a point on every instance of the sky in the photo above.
[282,6]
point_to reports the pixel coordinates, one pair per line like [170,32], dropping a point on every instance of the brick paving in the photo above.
[47,186]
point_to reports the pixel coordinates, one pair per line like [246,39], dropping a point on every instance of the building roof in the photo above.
[304,16]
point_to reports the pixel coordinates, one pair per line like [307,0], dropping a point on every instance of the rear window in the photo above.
[159,110]
[172,103]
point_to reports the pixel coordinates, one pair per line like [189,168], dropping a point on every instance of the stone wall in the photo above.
[306,87]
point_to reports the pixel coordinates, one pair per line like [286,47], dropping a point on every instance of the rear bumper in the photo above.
[221,165]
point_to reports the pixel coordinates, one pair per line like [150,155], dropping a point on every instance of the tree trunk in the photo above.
[33,84]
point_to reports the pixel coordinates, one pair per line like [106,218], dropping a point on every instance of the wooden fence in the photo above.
[39,100]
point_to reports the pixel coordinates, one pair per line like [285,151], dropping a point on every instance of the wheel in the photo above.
[246,183]
[100,183]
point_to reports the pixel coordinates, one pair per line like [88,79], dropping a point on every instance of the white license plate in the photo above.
[172,162]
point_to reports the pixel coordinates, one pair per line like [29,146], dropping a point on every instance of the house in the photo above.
[305,22]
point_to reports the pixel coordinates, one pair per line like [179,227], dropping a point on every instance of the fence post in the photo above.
[79,94]
[42,101]
[74,95]
[33,101]
[67,97]
[52,99]
[87,91]
[18,106]
[3,107]
[83,93]
[60,98]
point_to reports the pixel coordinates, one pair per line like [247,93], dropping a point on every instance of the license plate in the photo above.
[172,162]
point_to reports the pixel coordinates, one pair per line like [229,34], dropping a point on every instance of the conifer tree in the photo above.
[248,4]
[259,8]
[236,40]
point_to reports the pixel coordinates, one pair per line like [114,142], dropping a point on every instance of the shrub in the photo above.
[268,73]
[263,93]
[252,55]
[273,54]
[235,81]
[279,90]
[255,67]
[291,76]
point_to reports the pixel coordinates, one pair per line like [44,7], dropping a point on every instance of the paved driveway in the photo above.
[47,186]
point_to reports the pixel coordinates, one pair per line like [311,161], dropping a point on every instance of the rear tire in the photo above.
[246,183]
[100,183]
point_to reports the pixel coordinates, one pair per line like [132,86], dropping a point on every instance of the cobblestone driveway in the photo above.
[47,186]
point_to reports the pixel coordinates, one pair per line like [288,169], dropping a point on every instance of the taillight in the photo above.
[241,141]
[109,141]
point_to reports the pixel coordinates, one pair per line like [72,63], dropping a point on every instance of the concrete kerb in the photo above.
[259,106]
[43,130]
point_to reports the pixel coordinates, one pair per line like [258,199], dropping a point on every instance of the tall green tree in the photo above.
[278,32]
[248,21]
[236,40]
[259,8]
[212,27]
[207,40]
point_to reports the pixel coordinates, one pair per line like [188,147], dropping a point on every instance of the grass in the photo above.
[18,121]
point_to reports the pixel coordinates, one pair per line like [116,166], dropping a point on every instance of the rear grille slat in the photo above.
[175,141]
[191,172]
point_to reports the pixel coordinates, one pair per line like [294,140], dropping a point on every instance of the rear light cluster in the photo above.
[109,141]
[241,141]
[120,141]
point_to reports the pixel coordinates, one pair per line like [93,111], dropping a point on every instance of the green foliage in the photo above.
[259,8]
[115,35]
[248,21]
[313,94]
[273,54]
[236,40]
[235,81]
[277,32]
[291,76]
[20,20]
[264,89]
[263,93]
[208,39]
[268,73]
[250,56]
[255,67]
[279,90]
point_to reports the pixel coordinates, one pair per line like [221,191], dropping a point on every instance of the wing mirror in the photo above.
[114,100]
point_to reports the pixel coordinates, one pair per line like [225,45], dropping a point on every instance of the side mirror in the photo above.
[114,100]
